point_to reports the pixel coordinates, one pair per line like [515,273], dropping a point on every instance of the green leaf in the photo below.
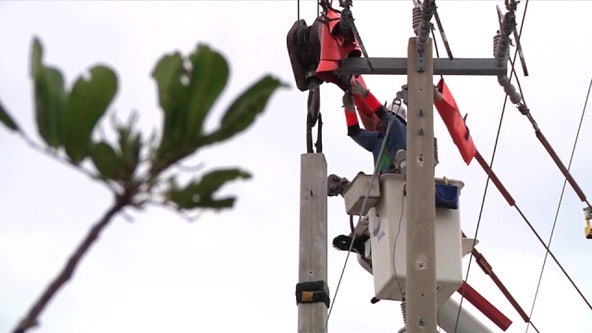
[105,160]
[130,143]
[36,58]
[172,95]
[50,96]
[209,76]
[200,194]
[87,103]
[6,119]
[243,111]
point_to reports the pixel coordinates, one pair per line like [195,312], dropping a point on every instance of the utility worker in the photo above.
[393,155]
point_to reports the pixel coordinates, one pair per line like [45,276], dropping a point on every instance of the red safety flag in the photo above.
[455,123]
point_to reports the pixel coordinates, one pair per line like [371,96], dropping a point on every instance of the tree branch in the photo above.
[31,319]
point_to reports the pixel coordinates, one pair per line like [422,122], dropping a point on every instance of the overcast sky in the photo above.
[237,270]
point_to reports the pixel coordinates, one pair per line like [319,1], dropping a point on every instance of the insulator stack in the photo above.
[417,18]
[508,23]
[404,310]
[345,21]
[436,160]
[422,14]
[496,40]
[509,89]
[501,49]
[429,7]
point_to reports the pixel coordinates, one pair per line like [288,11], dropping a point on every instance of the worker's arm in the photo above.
[370,103]
[364,138]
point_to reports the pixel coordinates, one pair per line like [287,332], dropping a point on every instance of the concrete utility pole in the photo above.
[420,288]
[311,291]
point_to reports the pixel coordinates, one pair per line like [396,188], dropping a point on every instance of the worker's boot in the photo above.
[343,243]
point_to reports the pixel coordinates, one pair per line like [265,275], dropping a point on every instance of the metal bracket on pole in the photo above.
[442,66]
[420,60]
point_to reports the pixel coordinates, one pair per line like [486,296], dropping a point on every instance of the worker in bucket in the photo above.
[392,126]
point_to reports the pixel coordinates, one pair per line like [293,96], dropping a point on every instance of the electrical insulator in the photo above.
[501,49]
[509,89]
[496,40]
[404,311]
[512,93]
[436,161]
[417,18]
[508,23]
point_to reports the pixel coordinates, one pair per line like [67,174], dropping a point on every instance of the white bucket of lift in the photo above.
[387,228]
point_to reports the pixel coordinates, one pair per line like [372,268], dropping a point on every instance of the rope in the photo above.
[364,203]
[560,202]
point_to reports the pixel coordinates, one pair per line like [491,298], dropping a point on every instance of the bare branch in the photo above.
[31,319]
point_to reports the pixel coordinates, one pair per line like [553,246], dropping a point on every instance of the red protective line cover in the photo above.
[483,305]
[367,114]
[455,123]
[334,47]
[351,118]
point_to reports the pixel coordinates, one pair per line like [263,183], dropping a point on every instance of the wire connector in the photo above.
[523,109]
[588,217]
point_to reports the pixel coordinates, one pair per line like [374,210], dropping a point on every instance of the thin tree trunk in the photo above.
[31,319]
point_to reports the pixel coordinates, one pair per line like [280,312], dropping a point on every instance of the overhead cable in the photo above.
[573,150]
[362,209]
[501,52]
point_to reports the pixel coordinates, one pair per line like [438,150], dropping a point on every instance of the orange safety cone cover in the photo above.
[457,128]
[334,47]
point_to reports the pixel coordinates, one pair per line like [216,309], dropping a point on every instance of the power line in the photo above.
[524,109]
[362,209]
[487,182]
[546,146]
[560,200]
[486,189]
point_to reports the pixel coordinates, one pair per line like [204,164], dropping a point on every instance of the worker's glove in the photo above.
[348,101]
[358,89]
